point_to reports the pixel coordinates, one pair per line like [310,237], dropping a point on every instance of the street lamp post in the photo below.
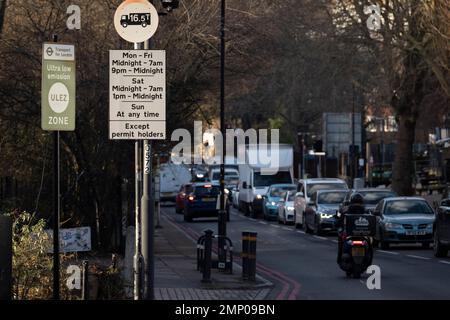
[222,227]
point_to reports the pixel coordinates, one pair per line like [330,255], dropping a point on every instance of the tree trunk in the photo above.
[403,169]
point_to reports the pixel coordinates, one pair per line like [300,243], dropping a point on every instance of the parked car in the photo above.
[319,215]
[307,187]
[372,196]
[202,202]
[404,220]
[286,208]
[275,193]
[442,229]
[179,200]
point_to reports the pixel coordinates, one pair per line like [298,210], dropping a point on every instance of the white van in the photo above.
[172,177]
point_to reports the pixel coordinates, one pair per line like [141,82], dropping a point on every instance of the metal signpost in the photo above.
[138,112]
[58,114]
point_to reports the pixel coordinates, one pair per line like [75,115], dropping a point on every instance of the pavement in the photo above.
[177,278]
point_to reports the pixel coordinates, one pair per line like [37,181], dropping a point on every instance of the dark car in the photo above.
[179,199]
[404,220]
[372,196]
[320,213]
[442,229]
[202,202]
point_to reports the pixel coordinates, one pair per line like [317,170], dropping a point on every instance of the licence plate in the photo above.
[208,199]
[358,252]
[416,233]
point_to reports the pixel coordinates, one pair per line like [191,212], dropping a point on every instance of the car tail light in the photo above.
[357,242]
[208,186]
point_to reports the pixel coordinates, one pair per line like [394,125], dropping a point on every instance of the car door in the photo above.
[310,212]
[378,212]
[302,202]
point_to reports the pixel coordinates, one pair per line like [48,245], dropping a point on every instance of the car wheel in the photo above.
[384,245]
[426,245]
[187,216]
[305,225]
[317,229]
[440,251]
[375,243]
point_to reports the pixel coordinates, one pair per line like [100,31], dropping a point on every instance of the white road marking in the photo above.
[335,241]
[417,257]
[275,226]
[286,228]
[302,232]
[389,252]
[262,222]
[252,219]
[445,262]
[321,238]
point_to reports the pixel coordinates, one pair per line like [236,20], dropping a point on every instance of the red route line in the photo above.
[284,280]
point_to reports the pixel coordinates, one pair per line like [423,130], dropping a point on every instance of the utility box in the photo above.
[5,258]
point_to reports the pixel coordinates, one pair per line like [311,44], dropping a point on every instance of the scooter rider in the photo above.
[356,206]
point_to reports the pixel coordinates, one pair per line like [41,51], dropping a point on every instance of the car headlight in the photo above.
[258,196]
[390,225]
[325,216]
[273,203]
[290,208]
[227,191]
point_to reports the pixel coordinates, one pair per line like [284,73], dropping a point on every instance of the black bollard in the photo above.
[207,264]
[244,255]
[252,256]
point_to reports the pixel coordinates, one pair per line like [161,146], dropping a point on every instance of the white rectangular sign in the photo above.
[59,52]
[73,239]
[137,109]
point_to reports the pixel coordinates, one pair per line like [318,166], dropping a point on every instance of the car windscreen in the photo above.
[313,187]
[280,191]
[373,197]
[207,191]
[331,197]
[407,207]
[267,180]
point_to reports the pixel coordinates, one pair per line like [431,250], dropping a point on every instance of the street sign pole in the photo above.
[138,179]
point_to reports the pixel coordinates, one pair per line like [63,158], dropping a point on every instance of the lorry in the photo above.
[172,177]
[254,180]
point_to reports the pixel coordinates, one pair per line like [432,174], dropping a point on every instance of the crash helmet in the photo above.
[357,198]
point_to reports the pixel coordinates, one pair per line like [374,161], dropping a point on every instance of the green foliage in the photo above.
[32,264]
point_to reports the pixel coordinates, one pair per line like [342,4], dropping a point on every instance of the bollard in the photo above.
[244,255]
[252,256]
[85,289]
[5,258]
[207,263]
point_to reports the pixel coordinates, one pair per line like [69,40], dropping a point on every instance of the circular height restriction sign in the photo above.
[136,20]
